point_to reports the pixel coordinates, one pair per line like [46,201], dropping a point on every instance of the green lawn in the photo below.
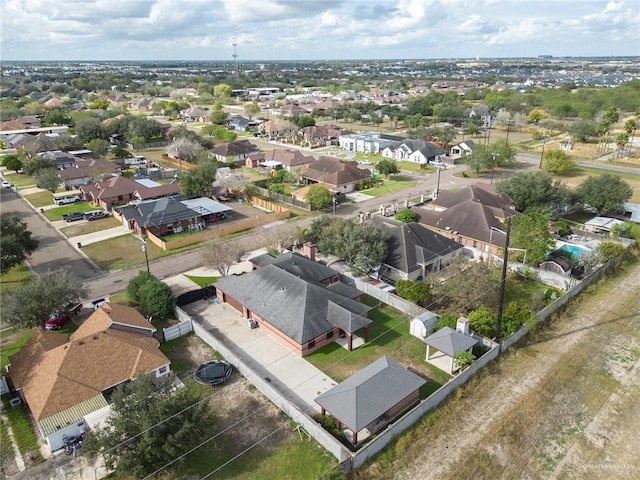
[82,228]
[20,180]
[14,277]
[40,199]
[22,336]
[56,213]
[387,335]
[390,185]
[526,291]
[416,167]
[21,427]
[202,281]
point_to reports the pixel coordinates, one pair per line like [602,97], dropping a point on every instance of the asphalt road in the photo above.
[56,253]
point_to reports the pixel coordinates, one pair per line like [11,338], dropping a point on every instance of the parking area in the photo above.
[297,379]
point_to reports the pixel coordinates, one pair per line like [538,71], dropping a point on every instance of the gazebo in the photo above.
[448,342]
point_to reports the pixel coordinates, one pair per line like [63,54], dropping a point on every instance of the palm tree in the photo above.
[621,140]
[630,127]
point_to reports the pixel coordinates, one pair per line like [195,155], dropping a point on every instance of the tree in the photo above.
[463,359]
[530,232]
[89,128]
[185,149]
[157,299]
[135,285]
[479,159]
[222,91]
[36,163]
[558,162]
[583,130]
[198,182]
[48,178]
[630,127]
[98,104]
[447,320]
[29,304]
[99,147]
[414,291]
[218,117]
[536,115]
[276,240]
[406,215]
[15,242]
[251,109]
[469,286]
[535,190]
[611,250]
[56,116]
[604,193]
[387,167]
[151,422]
[119,152]
[318,196]
[362,246]
[305,121]
[221,255]
[483,321]
[12,162]
[505,152]
[515,314]
[66,142]
[621,140]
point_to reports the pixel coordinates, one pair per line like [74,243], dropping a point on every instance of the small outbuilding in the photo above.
[423,325]
[448,342]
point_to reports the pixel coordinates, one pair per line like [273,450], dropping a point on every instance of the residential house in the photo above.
[473,216]
[278,127]
[83,172]
[414,251]
[483,112]
[120,190]
[239,123]
[370,399]
[160,217]
[340,175]
[324,135]
[367,142]
[61,160]
[290,160]
[234,152]
[66,381]
[418,151]
[143,104]
[195,114]
[299,302]
[39,143]
[463,148]
[29,121]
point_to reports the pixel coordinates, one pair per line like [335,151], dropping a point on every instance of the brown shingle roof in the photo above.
[335,172]
[110,347]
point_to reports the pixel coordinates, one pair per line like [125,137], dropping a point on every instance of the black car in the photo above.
[94,215]
[73,216]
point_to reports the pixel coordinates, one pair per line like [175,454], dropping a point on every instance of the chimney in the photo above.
[309,250]
[462,326]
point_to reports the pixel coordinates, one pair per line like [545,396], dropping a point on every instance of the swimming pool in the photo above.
[575,250]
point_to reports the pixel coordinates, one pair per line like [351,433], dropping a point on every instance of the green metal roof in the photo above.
[71,415]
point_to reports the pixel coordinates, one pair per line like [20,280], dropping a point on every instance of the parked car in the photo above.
[6,184]
[73,216]
[60,316]
[95,214]
[437,163]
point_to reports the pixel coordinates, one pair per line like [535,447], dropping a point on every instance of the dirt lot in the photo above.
[563,405]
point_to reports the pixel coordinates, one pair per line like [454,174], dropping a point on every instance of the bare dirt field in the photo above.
[564,404]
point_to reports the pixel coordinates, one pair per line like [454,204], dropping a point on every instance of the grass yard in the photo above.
[14,277]
[11,341]
[526,291]
[202,281]
[22,432]
[416,167]
[40,199]
[390,185]
[20,180]
[74,229]
[387,335]
[582,173]
[56,213]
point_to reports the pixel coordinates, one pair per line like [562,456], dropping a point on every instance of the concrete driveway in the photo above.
[297,379]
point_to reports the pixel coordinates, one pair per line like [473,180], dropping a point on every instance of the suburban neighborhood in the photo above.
[242,271]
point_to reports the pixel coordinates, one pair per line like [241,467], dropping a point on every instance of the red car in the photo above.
[60,316]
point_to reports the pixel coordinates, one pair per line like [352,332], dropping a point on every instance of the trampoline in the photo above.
[212,372]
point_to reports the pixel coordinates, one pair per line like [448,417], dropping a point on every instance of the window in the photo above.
[475,244]
[459,240]
[162,370]
[330,335]
[311,344]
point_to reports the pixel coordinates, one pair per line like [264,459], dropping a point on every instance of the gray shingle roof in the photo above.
[369,393]
[410,244]
[297,265]
[297,307]
[450,341]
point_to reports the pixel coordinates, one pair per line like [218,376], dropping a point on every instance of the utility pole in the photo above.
[438,186]
[235,59]
[503,280]
[542,153]
[144,250]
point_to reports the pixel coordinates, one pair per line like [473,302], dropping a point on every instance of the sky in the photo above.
[315,29]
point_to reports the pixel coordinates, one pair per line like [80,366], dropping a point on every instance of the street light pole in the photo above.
[144,250]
